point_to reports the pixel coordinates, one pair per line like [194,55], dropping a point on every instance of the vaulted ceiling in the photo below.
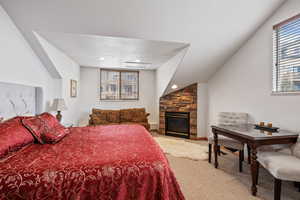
[214,29]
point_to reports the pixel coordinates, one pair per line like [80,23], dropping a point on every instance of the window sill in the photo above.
[127,100]
[285,93]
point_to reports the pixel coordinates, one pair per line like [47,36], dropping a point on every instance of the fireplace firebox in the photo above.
[177,124]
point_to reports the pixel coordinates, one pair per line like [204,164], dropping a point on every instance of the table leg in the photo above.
[254,170]
[216,149]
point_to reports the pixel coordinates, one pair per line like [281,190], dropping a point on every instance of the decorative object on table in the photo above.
[59,105]
[269,127]
[73,88]
[1,119]
[261,123]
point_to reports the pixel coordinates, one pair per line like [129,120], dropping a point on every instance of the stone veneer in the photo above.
[184,100]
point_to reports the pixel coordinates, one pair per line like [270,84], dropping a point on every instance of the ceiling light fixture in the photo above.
[174,87]
[137,60]
[101,58]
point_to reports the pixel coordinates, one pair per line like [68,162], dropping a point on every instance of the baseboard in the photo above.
[199,138]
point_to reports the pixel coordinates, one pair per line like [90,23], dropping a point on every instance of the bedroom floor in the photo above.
[200,180]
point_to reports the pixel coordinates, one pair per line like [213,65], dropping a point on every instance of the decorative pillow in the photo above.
[55,135]
[126,115]
[43,133]
[296,148]
[49,120]
[99,113]
[37,127]
[139,115]
[113,116]
[97,120]
[13,136]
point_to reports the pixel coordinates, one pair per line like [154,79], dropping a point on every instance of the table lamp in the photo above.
[59,105]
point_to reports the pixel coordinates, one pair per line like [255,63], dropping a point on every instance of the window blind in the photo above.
[286,55]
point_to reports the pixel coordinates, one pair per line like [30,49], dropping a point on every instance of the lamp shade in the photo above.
[59,105]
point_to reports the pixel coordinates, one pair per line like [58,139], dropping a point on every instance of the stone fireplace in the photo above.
[178,109]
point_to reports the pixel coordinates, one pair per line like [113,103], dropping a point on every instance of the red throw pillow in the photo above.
[49,120]
[55,135]
[13,136]
[37,127]
[45,128]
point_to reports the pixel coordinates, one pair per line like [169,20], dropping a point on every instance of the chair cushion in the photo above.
[283,148]
[280,165]
[296,148]
[227,142]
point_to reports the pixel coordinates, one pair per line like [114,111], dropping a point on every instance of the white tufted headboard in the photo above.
[17,100]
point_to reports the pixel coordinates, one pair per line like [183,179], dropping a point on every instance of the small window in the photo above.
[286,52]
[119,85]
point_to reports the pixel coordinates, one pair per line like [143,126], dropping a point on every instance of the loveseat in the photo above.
[124,116]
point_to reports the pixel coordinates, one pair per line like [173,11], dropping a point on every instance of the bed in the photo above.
[105,162]
[40,159]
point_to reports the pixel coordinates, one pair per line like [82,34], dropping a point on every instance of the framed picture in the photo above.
[73,88]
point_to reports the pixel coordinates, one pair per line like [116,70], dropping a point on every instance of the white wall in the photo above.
[19,64]
[244,83]
[67,69]
[90,94]
[202,109]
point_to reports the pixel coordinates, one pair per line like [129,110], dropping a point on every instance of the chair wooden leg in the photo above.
[243,155]
[241,152]
[209,152]
[277,189]
[219,150]
[249,154]
[257,174]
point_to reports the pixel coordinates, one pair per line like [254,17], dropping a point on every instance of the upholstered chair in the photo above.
[229,118]
[283,165]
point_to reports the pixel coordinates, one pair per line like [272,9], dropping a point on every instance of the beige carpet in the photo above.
[182,148]
[199,180]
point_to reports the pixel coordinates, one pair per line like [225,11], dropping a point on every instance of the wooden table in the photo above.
[254,138]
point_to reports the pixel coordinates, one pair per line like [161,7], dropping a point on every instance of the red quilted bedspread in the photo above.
[120,162]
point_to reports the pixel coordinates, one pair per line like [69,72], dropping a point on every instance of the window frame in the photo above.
[120,85]
[275,67]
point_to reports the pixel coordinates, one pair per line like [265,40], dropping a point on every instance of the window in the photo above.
[119,85]
[286,52]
